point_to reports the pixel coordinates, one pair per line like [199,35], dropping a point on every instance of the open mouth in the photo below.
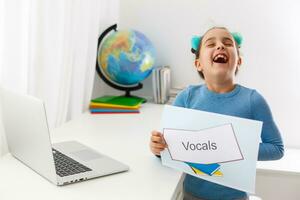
[220,58]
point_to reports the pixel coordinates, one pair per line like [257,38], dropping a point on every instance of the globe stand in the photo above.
[127,94]
[127,89]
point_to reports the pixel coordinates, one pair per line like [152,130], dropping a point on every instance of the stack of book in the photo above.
[161,81]
[115,105]
[173,94]
[206,169]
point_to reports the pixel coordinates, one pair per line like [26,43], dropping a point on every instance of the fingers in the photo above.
[156,133]
[157,143]
[156,148]
[157,137]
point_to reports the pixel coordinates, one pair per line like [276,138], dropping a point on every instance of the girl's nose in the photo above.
[220,46]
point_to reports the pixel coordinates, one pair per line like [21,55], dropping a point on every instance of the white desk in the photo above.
[125,138]
[279,179]
[288,165]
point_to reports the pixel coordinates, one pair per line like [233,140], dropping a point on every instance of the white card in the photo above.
[211,145]
[239,173]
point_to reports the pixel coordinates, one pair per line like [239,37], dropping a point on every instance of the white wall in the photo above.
[112,17]
[271,47]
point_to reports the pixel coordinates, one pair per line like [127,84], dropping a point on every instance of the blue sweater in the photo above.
[240,102]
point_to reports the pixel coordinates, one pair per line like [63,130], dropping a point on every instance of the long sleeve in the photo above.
[271,146]
[181,98]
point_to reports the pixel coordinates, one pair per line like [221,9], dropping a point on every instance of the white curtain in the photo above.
[48,50]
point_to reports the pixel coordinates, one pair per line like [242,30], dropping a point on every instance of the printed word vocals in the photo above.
[199,146]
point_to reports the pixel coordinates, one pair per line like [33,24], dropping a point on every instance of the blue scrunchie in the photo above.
[195,41]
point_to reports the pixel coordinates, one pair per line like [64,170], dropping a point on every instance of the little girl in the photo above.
[217,61]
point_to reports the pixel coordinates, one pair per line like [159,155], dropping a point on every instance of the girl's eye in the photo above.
[229,44]
[210,45]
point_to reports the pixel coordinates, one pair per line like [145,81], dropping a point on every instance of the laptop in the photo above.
[28,139]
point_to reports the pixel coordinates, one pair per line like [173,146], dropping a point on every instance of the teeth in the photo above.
[220,56]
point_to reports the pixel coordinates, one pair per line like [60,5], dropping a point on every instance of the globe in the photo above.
[126,57]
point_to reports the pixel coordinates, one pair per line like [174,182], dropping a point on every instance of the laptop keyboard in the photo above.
[66,166]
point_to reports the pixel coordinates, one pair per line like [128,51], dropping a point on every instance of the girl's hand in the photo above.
[157,142]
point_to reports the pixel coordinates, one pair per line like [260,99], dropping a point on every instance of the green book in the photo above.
[119,100]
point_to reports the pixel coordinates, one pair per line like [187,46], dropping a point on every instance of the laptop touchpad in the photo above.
[86,155]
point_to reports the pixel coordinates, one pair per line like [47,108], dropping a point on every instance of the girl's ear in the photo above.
[198,65]
[240,61]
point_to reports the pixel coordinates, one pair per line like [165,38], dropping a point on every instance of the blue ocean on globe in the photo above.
[127,57]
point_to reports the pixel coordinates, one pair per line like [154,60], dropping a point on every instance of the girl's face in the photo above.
[219,57]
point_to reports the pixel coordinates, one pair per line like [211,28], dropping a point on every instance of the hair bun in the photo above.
[195,41]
